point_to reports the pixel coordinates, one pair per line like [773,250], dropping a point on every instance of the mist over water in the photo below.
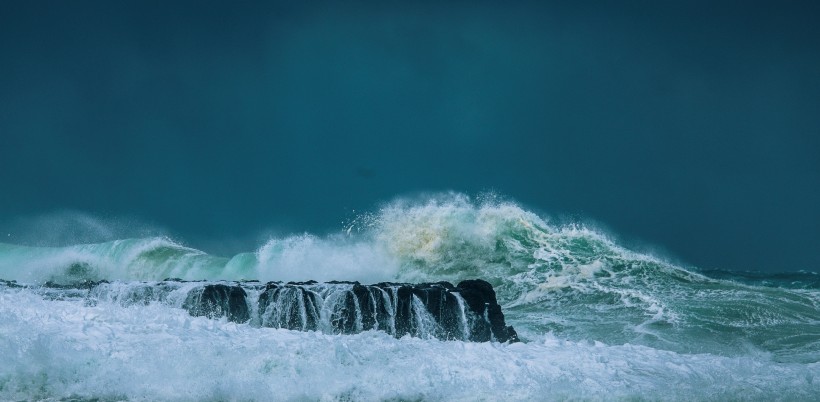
[597,320]
[637,181]
[567,279]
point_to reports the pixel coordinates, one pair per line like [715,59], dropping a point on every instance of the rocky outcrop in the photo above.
[480,297]
[440,310]
[468,312]
[218,300]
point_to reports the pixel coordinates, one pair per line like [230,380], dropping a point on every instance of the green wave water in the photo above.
[571,282]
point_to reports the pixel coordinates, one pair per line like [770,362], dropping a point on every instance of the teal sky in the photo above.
[690,126]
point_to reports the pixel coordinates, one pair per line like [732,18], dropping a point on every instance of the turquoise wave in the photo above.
[572,281]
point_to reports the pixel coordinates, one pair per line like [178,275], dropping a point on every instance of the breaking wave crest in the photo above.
[571,281]
[446,237]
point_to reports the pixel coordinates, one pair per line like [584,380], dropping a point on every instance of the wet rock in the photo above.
[289,306]
[468,312]
[218,300]
[480,296]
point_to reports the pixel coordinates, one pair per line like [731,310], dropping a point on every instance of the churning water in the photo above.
[596,320]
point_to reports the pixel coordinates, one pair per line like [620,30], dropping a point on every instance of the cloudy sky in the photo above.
[693,128]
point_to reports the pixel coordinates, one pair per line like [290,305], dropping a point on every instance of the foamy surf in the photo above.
[598,321]
[55,348]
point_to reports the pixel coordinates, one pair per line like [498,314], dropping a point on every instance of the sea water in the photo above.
[597,320]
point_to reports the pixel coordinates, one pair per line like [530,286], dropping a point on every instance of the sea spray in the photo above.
[589,311]
[63,349]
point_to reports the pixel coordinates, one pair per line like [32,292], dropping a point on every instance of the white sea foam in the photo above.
[307,257]
[65,348]
[573,281]
[442,238]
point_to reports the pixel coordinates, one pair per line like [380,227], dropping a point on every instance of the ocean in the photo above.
[596,320]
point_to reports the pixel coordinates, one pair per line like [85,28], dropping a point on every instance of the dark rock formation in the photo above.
[480,296]
[84,284]
[289,306]
[218,300]
[10,284]
[468,312]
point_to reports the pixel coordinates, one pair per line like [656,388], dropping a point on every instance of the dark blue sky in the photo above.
[692,126]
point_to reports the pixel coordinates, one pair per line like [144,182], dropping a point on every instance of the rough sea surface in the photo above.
[597,321]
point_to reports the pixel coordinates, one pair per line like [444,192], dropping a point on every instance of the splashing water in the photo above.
[617,322]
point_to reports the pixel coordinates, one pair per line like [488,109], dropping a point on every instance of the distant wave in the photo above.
[569,280]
